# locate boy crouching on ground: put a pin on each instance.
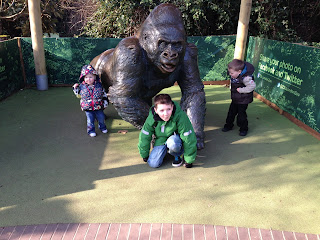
(172, 131)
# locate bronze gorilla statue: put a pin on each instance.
(139, 67)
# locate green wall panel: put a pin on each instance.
(286, 74)
(64, 57)
(214, 54)
(11, 78)
(289, 76)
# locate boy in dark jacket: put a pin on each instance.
(93, 98)
(172, 131)
(242, 85)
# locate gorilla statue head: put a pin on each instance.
(163, 37)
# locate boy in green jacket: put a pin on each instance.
(172, 131)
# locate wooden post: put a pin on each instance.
(37, 44)
(22, 63)
(242, 31)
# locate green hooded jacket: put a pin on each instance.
(178, 123)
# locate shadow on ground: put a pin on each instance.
(52, 172)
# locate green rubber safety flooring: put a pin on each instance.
(52, 172)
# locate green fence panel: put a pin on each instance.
(11, 78)
(64, 57)
(289, 76)
(214, 54)
(286, 74)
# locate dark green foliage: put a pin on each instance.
(15, 20)
(11, 13)
(201, 17)
(305, 19)
(271, 19)
(292, 21)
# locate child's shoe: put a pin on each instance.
(92, 134)
(226, 129)
(243, 133)
(177, 162)
(104, 131)
(187, 165)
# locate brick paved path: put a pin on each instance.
(136, 231)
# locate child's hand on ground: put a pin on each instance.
(75, 85)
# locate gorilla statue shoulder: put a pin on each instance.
(139, 67)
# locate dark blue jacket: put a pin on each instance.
(245, 81)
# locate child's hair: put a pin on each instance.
(162, 99)
(236, 64)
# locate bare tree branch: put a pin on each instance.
(14, 15)
(3, 5)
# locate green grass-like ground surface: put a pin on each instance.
(52, 172)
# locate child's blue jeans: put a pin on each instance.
(173, 146)
(91, 116)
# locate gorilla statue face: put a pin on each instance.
(163, 37)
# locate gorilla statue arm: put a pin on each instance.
(193, 100)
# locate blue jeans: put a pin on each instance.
(173, 146)
(91, 116)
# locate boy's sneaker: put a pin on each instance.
(92, 134)
(104, 131)
(177, 162)
(226, 129)
(188, 165)
(243, 133)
